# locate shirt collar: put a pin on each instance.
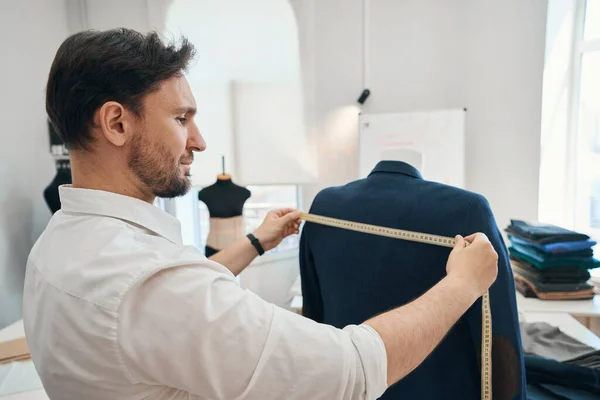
(396, 167)
(107, 204)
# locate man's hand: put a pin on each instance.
(278, 225)
(475, 264)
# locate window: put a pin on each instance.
(586, 111)
(264, 199)
(570, 151)
(587, 163)
(592, 17)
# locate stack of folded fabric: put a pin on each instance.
(550, 262)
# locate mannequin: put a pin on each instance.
(225, 202)
(332, 267)
(60, 154)
(62, 177)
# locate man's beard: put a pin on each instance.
(155, 168)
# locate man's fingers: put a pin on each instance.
(470, 238)
(291, 215)
(479, 237)
(290, 231)
(285, 211)
(459, 243)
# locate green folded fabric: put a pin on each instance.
(591, 263)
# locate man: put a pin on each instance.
(116, 307)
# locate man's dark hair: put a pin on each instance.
(92, 67)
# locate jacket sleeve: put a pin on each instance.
(507, 357)
(312, 303)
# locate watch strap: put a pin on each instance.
(256, 243)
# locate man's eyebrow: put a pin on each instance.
(186, 110)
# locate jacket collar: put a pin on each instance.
(396, 167)
(107, 204)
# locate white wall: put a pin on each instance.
(485, 55)
(505, 50)
(141, 15)
(31, 32)
(238, 40)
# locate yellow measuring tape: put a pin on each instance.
(486, 313)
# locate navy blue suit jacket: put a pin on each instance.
(348, 277)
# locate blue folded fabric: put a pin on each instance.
(540, 370)
(556, 248)
(534, 259)
(562, 260)
(544, 257)
(543, 233)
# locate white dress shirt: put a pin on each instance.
(116, 307)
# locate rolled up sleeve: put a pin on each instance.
(196, 330)
(317, 361)
(373, 358)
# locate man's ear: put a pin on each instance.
(115, 122)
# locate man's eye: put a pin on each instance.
(181, 120)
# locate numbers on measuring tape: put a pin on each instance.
(486, 348)
(486, 314)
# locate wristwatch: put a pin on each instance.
(256, 244)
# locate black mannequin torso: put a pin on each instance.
(224, 199)
(225, 202)
(62, 177)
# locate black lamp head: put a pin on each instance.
(363, 96)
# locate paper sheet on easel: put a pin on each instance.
(436, 140)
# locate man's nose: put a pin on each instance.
(195, 141)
